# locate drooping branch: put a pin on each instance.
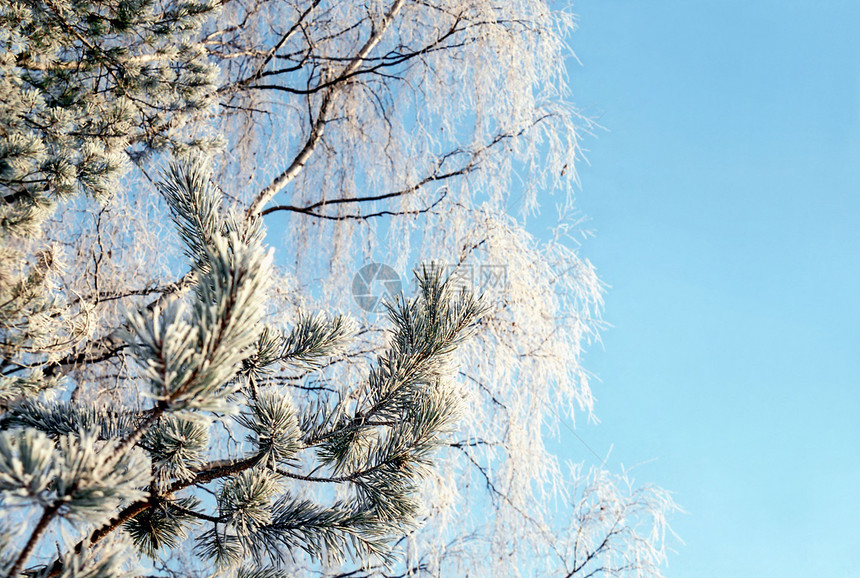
(270, 54)
(357, 216)
(112, 344)
(474, 157)
(318, 125)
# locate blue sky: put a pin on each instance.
(724, 199)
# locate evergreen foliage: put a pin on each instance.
(83, 81)
(200, 361)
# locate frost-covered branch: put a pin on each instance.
(332, 88)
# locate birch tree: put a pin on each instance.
(391, 131)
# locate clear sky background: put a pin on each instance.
(724, 199)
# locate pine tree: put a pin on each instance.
(146, 470)
(86, 86)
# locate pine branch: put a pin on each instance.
(47, 515)
(207, 473)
